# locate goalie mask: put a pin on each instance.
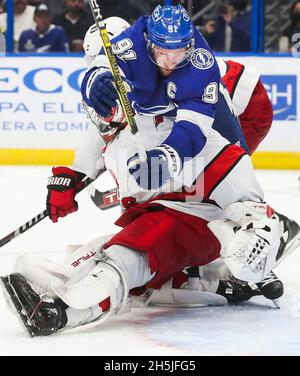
(110, 126)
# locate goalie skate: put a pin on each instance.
(15, 304)
(38, 317)
(236, 291)
(271, 288)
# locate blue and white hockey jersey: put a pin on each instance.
(190, 93)
(54, 40)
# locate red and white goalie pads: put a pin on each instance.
(254, 239)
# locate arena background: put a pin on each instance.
(42, 123)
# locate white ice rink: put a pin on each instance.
(254, 328)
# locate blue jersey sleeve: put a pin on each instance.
(187, 139)
(22, 40)
(227, 123)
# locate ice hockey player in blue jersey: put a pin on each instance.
(172, 71)
(45, 37)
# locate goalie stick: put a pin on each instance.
(35, 220)
(115, 71)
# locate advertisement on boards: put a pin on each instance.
(281, 77)
(40, 102)
(282, 91)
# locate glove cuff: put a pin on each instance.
(63, 179)
(173, 159)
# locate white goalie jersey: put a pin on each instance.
(216, 167)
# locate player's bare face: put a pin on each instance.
(167, 60)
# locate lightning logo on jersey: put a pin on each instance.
(202, 59)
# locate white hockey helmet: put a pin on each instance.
(92, 40)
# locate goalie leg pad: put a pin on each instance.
(82, 261)
(40, 272)
(43, 273)
(261, 239)
(104, 291)
(251, 253)
(105, 280)
(185, 298)
(71, 248)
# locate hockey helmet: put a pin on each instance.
(170, 28)
(92, 41)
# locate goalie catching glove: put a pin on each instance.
(62, 187)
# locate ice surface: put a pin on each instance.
(254, 328)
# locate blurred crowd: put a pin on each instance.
(230, 29)
(60, 25)
(291, 35)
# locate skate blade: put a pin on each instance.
(16, 306)
(277, 303)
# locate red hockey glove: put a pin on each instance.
(62, 187)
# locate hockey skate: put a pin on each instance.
(271, 288)
(236, 291)
(39, 318)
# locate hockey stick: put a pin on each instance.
(104, 200)
(121, 90)
(38, 218)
